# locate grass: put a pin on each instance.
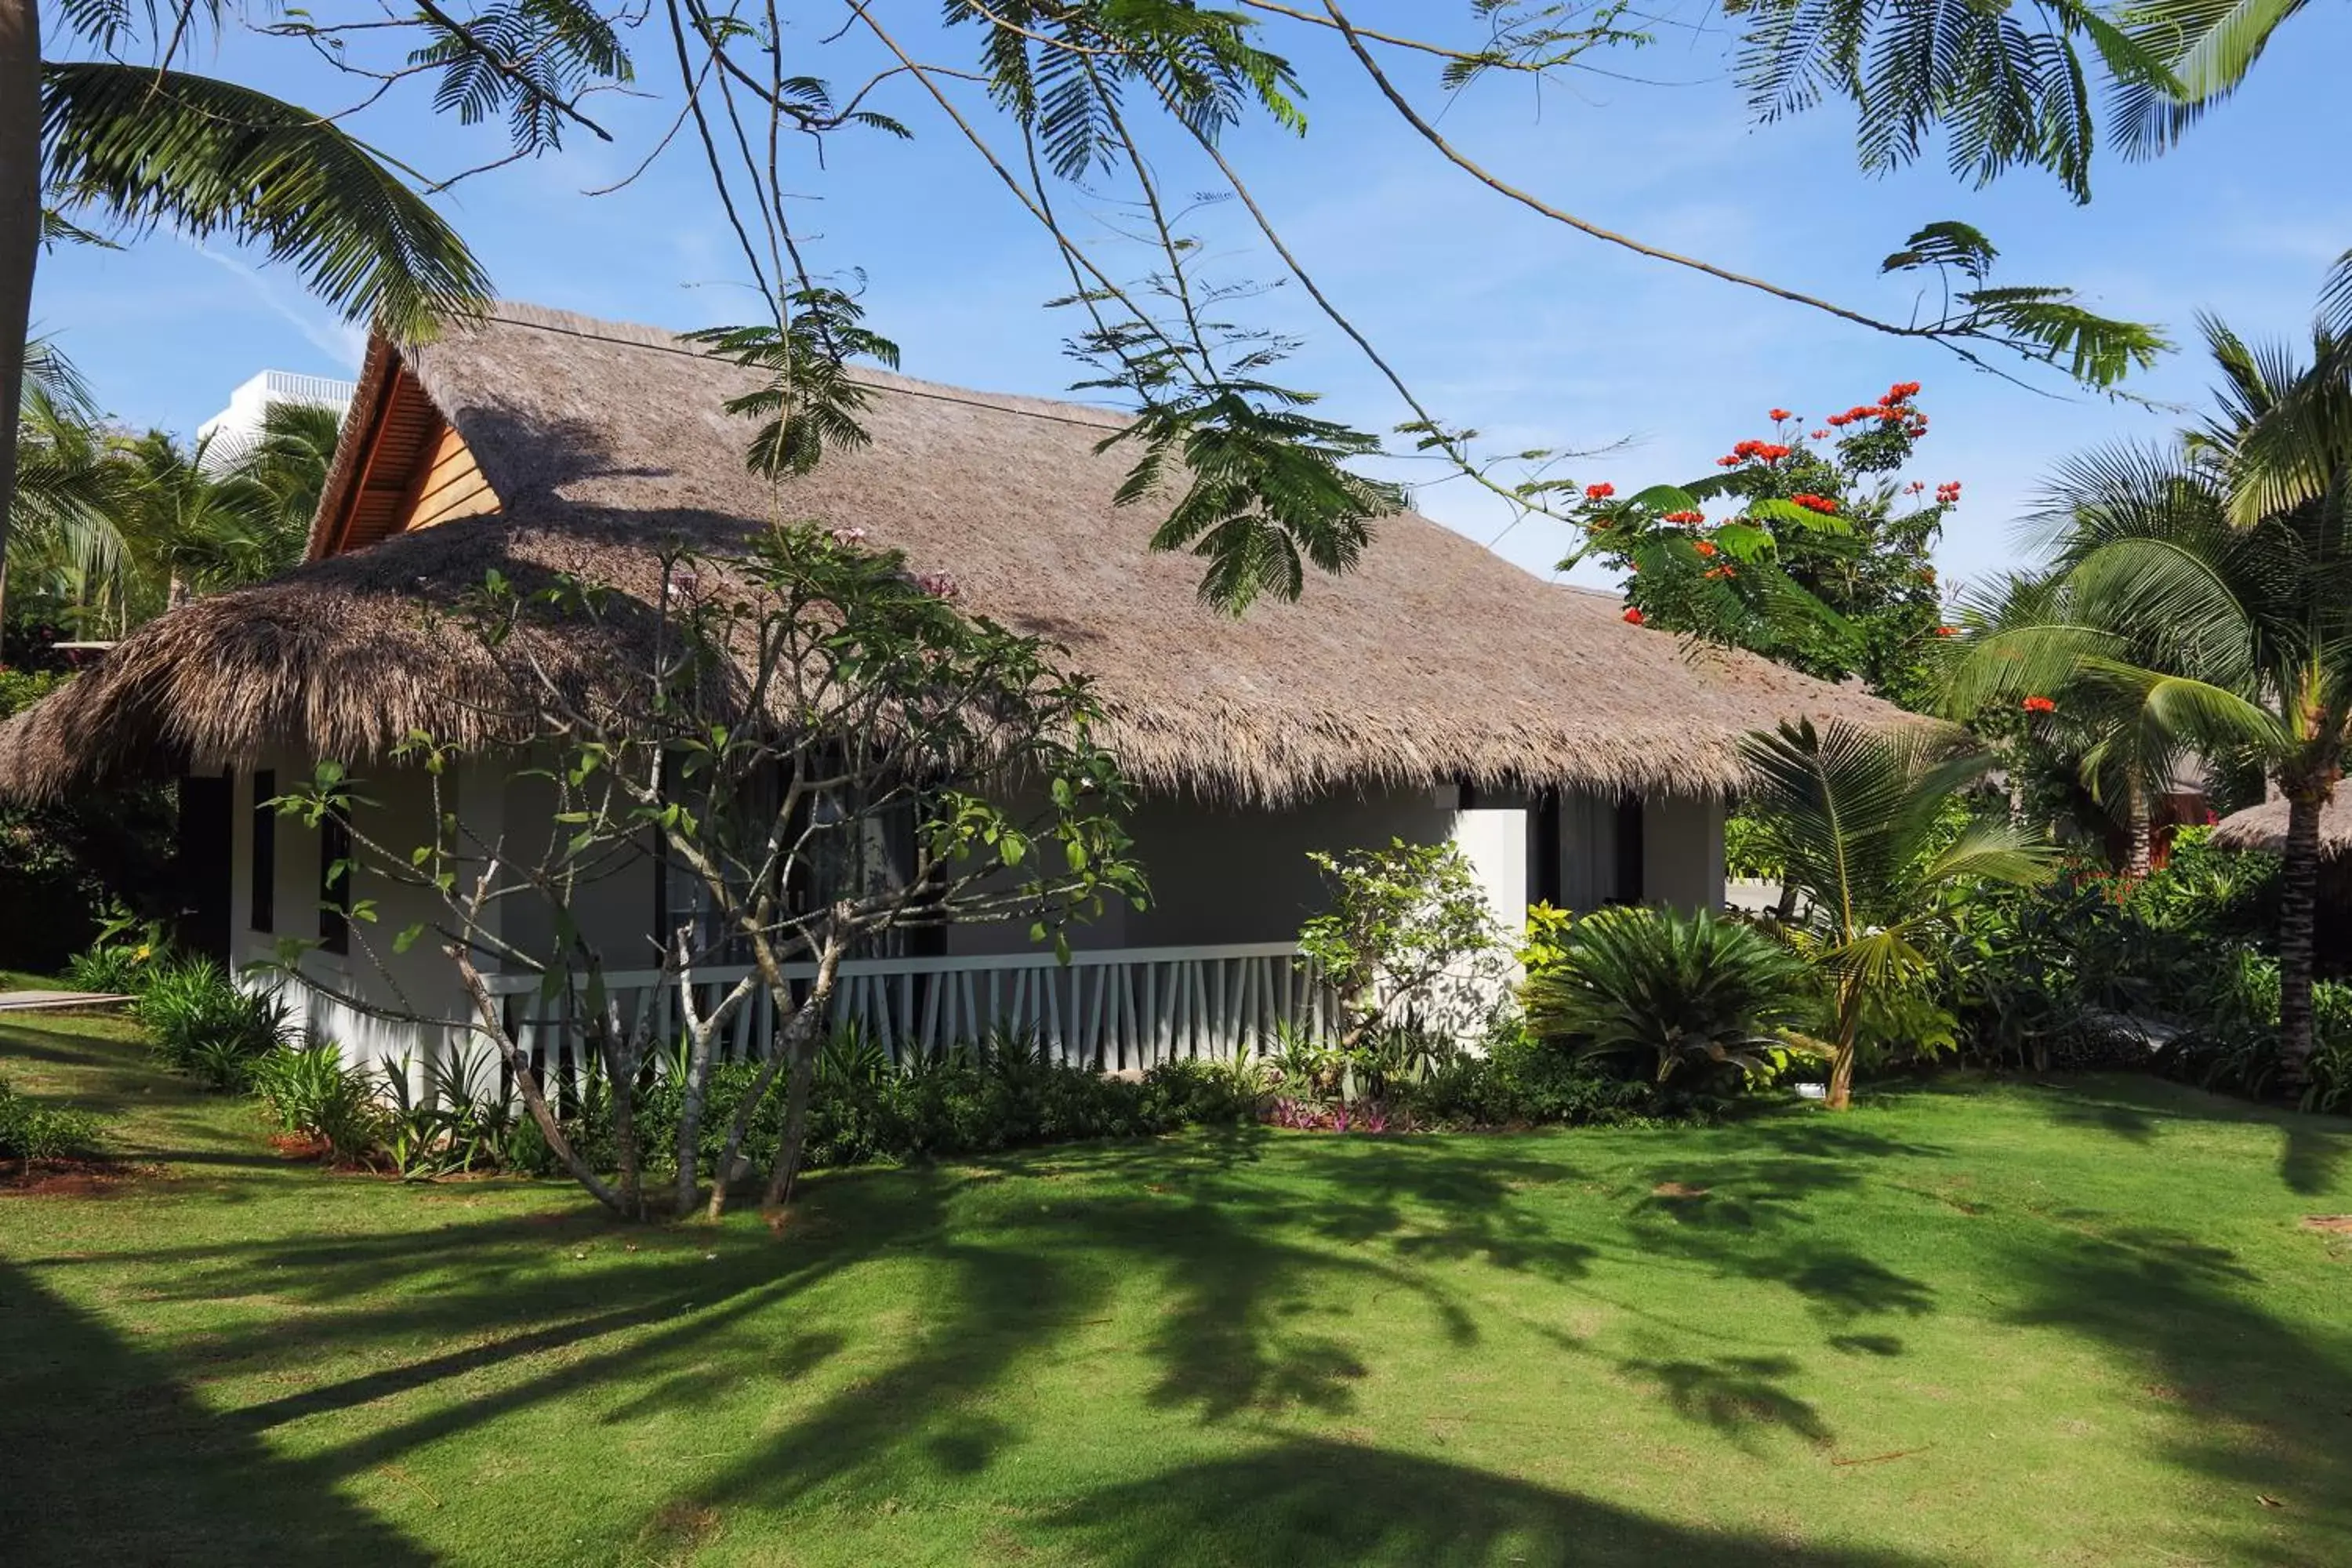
(1976, 1324)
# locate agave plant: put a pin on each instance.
(1674, 991)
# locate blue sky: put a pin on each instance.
(1533, 334)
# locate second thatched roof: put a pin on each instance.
(1433, 661)
(2263, 826)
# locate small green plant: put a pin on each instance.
(29, 1131)
(201, 1023)
(311, 1093)
(126, 954)
(1686, 996)
(460, 1122)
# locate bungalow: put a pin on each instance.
(1435, 693)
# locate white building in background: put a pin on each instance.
(227, 432)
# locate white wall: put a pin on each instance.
(394, 807)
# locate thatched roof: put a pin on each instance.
(2263, 826)
(1435, 660)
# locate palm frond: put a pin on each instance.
(146, 147)
(2206, 47)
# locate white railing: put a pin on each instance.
(1117, 1009)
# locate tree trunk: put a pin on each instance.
(2140, 833)
(796, 1107)
(20, 233)
(798, 1035)
(2299, 881)
(1841, 1091)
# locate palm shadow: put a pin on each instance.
(1309, 1501)
(115, 1461)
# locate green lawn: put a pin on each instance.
(1979, 1324)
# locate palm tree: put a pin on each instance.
(1858, 817)
(71, 488)
(2208, 590)
(147, 144)
(287, 462)
(2118, 757)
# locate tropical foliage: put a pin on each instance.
(1409, 931)
(1686, 997)
(1806, 547)
(1860, 824)
(111, 527)
(2203, 593)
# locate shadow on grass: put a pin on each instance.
(2267, 1406)
(1250, 1269)
(1307, 1501)
(110, 1459)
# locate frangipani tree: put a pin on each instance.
(1858, 817)
(815, 751)
(2208, 589)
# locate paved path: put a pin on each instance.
(36, 1001)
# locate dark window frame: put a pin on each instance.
(261, 860)
(335, 892)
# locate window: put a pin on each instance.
(335, 880)
(264, 865)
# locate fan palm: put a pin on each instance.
(1857, 817)
(2208, 588)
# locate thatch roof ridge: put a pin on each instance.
(1434, 660)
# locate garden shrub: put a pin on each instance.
(63, 864)
(124, 956)
(2034, 971)
(1519, 1080)
(1004, 1092)
(201, 1023)
(1688, 998)
(29, 1131)
(1409, 938)
(312, 1094)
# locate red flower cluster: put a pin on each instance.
(1948, 493)
(1891, 410)
(1914, 487)
(1778, 414)
(1821, 435)
(1812, 502)
(1942, 631)
(1634, 616)
(1762, 451)
(1599, 492)
(2040, 705)
(1705, 548)
(1718, 572)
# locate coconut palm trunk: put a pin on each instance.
(2299, 882)
(2140, 833)
(20, 232)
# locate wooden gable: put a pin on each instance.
(415, 471)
